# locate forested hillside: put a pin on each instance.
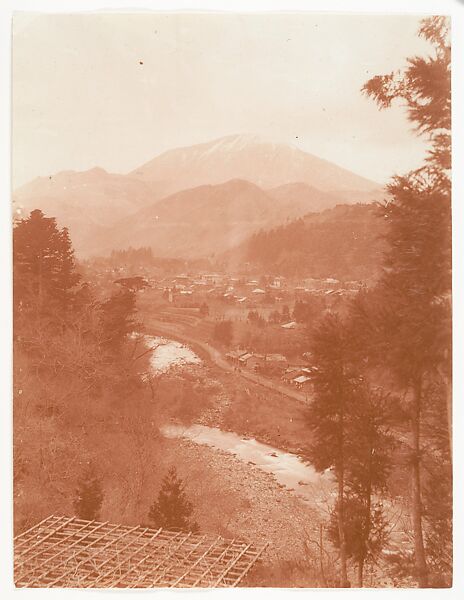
(76, 381)
(344, 242)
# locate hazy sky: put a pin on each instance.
(81, 98)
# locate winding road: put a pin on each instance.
(206, 350)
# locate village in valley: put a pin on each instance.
(258, 321)
(232, 351)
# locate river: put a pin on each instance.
(288, 469)
(168, 354)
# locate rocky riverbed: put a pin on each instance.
(249, 503)
(236, 498)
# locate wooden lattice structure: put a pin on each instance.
(71, 552)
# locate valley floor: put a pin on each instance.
(234, 498)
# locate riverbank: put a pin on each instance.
(238, 500)
(237, 404)
(204, 348)
(240, 489)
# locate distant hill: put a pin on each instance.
(301, 198)
(278, 183)
(344, 242)
(203, 221)
(249, 157)
(85, 202)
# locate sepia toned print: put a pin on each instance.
(232, 300)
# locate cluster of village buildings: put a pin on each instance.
(298, 375)
(251, 292)
(191, 289)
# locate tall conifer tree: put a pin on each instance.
(417, 271)
(44, 273)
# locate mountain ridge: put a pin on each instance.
(199, 221)
(94, 202)
(268, 164)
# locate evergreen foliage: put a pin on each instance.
(425, 85)
(73, 397)
(256, 319)
(349, 421)
(89, 496)
(309, 310)
(172, 509)
(365, 534)
(118, 319)
(414, 292)
(223, 332)
(335, 387)
(343, 242)
(44, 274)
(133, 257)
(133, 284)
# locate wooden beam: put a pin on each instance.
(232, 563)
(85, 548)
(31, 530)
(139, 549)
(216, 560)
(42, 540)
(103, 555)
(196, 562)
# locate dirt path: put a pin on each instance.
(205, 349)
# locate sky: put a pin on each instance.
(115, 90)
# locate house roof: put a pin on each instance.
(291, 325)
(69, 552)
(301, 379)
(279, 357)
(235, 353)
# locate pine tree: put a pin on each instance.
(349, 421)
(365, 533)
(368, 451)
(43, 265)
(334, 391)
(223, 332)
(425, 85)
(133, 284)
(118, 319)
(417, 276)
(89, 496)
(172, 509)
